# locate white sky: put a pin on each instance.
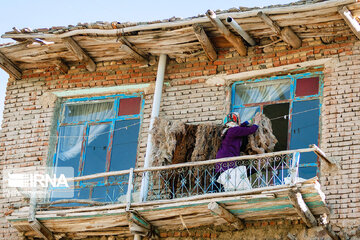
(47, 13)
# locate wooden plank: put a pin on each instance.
(205, 42)
(290, 37)
(61, 65)
(301, 208)
(137, 224)
(127, 47)
(220, 211)
(41, 230)
(323, 156)
(234, 40)
(286, 33)
(327, 227)
(350, 20)
(9, 67)
(72, 45)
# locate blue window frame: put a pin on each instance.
(99, 134)
(293, 104)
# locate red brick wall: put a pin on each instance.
(26, 126)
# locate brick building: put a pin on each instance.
(85, 96)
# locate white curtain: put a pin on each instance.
(258, 93)
(71, 137)
(76, 112)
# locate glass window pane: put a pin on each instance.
(276, 113)
(247, 113)
(80, 112)
(69, 147)
(262, 92)
(96, 149)
(129, 106)
(124, 148)
(307, 86)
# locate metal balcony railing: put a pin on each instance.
(195, 179)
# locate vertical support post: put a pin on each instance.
(130, 188)
(137, 237)
(154, 113)
(32, 208)
(294, 170)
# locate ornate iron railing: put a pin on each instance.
(195, 179)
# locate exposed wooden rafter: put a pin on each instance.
(222, 212)
(34, 224)
(234, 40)
(61, 65)
(327, 228)
(133, 51)
(205, 42)
(137, 224)
(301, 208)
(286, 33)
(10, 67)
(350, 20)
(83, 57)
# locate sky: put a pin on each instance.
(47, 13)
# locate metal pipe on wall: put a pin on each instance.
(154, 113)
(240, 31)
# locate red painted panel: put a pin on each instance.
(307, 86)
(129, 106)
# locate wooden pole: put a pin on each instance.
(323, 156)
(234, 40)
(137, 224)
(137, 237)
(34, 224)
(61, 65)
(222, 212)
(83, 57)
(301, 208)
(350, 20)
(286, 33)
(127, 47)
(9, 67)
(205, 42)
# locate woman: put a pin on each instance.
(234, 139)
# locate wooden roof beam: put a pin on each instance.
(205, 42)
(222, 212)
(350, 20)
(286, 33)
(137, 224)
(34, 224)
(134, 52)
(234, 40)
(301, 208)
(9, 67)
(83, 57)
(61, 65)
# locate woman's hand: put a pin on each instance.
(257, 119)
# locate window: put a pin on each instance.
(99, 135)
(292, 102)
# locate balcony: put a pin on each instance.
(188, 195)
